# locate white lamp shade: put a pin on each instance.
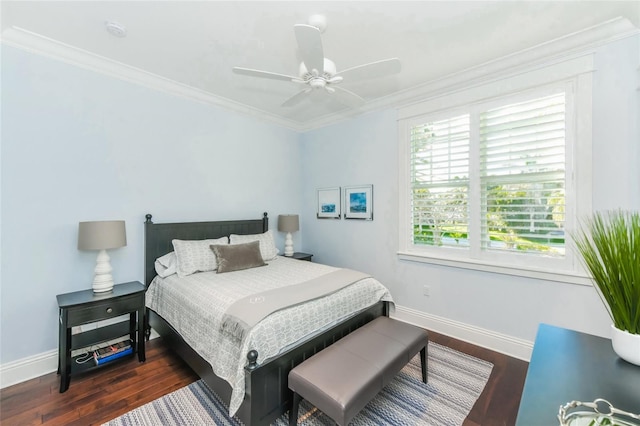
(101, 235)
(288, 223)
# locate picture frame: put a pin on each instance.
(329, 206)
(358, 202)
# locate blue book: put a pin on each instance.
(108, 358)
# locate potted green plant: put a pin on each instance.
(609, 244)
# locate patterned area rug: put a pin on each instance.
(455, 383)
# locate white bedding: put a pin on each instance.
(194, 306)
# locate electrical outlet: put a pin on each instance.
(425, 290)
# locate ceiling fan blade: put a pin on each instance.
(295, 99)
(264, 74)
(347, 97)
(310, 45)
(372, 70)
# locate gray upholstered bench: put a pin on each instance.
(341, 379)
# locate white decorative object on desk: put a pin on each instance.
(288, 223)
(102, 235)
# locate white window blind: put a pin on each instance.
(522, 164)
(440, 182)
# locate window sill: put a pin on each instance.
(519, 271)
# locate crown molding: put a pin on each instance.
(45, 46)
(555, 50)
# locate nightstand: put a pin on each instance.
(85, 307)
(301, 256)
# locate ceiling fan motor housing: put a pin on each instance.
(318, 21)
(328, 72)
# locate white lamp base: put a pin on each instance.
(288, 245)
(102, 281)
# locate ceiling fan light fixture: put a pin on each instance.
(317, 83)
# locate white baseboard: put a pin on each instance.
(38, 365)
(19, 371)
(12, 373)
(498, 342)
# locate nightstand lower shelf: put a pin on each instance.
(89, 364)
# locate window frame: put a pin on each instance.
(574, 78)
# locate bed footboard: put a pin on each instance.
(267, 395)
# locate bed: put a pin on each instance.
(265, 395)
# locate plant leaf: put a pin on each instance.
(609, 244)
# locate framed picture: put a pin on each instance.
(329, 203)
(358, 202)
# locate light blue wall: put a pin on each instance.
(364, 150)
(77, 146)
(360, 151)
(81, 146)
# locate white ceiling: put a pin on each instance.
(196, 43)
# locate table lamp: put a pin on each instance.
(288, 223)
(102, 235)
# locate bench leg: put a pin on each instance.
(423, 363)
(293, 414)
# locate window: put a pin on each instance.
(492, 184)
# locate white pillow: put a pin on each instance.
(166, 265)
(267, 245)
(196, 255)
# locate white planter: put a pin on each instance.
(626, 345)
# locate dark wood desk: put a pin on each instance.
(569, 366)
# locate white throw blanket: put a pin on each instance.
(194, 306)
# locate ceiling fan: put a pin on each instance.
(317, 72)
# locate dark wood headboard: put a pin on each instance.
(158, 236)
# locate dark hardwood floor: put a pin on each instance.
(102, 395)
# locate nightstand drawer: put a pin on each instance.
(106, 310)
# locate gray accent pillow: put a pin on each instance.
(238, 256)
